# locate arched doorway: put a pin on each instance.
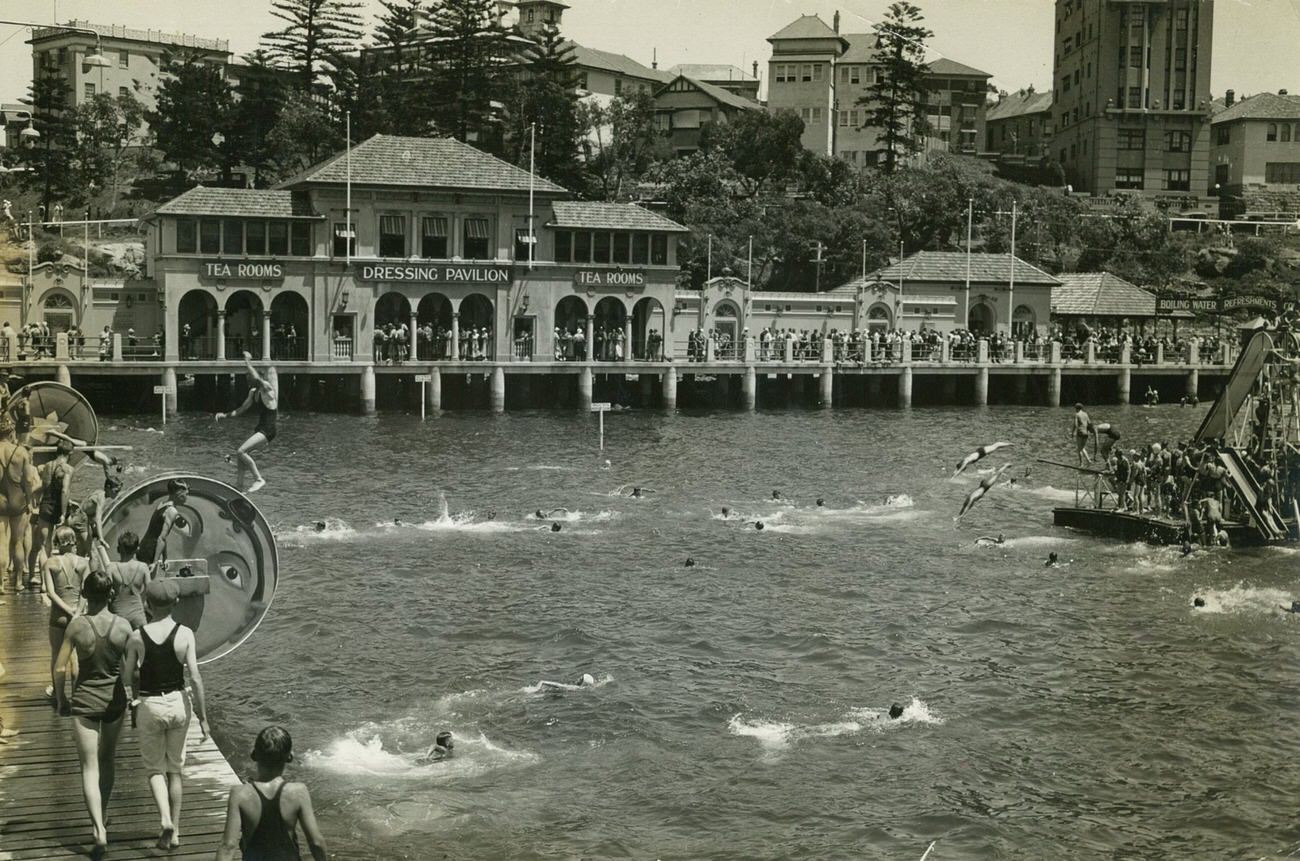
(392, 312)
(571, 328)
(434, 317)
(648, 327)
(726, 323)
(1023, 323)
(244, 325)
(477, 339)
(980, 320)
(59, 312)
(290, 327)
(196, 323)
(879, 319)
(609, 322)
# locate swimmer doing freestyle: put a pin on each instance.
(264, 396)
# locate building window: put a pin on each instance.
(817, 71)
(187, 236)
(1180, 19)
(300, 239)
(805, 114)
(255, 237)
(209, 236)
(581, 247)
(641, 248)
(1131, 139)
(1130, 177)
(816, 115)
(807, 71)
(1178, 180)
(1178, 141)
(1135, 56)
(563, 246)
(844, 119)
(618, 86)
(123, 92)
(1223, 134)
(855, 74)
(1282, 172)
(478, 239)
(232, 236)
(1222, 173)
(622, 248)
(277, 238)
(659, 250)
(392, 236)
(1135, 97)
(600, 248)
(779, 72)
(89, 91)
(1286, 132)
(582, 82)
(63, 56)
(1272, 132)
(521, 243)
(1065, 84)
(345, 240)
(123, 59)
(433, 237)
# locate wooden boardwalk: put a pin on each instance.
(42, 814)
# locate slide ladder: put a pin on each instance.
(1269, 524)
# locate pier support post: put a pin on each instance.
(982, 350)
(1090, 354)
(670, 389)
(63, 375)
(221, 340)
(627, 339)
(982, 386)
(1160, 352)
(1018, 352)
(368, 390)
(589, 348)
(169, 380)
(749, 388)
(945, 351)
(1193, 383)
(1124, 385)
(1194, 352)
(826, 385)
(433, 390)
(905, 386)
(1054, 387)
(584, 389)
(61, 346)
(499, 390)
(789, 350)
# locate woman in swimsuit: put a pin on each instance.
(56, 476)
(64, 573)
(262, 815)
(262, 395)
(19, 483)
(98, 701)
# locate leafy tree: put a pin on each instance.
(194, 113)
(764, 148)
(546, 101)
(261, 93)
(52, 118)
(316, 35)
(621, 141)
(389, 99)
(895, 103)
(107, 130)
(469, 48)
(302, 136)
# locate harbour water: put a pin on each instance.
(1084, 711)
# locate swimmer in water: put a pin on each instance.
(776, 494)
(1198, 601)
(726, 512)
(1051, 560)
(988, 540)
(320, 525)
(442, 747)
(820, 502)
(690, 562)
(542, 515)
(1294, 608)
(556, 527)
(895, 711)
(639, 492)
(758, 524)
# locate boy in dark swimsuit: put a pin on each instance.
(262, 815)
(262, 395)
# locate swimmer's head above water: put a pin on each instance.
(820, 502)
(555, 527)
(895, 711)
(587, 681)
(1051, 558)
(726, 512)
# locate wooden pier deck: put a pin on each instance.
(42, 814)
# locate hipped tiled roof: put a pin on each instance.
(1101, 294)
(239, 202)
(1264, 106)
(421, 163)
(1019, 104)
(950, 266)
(805, 27)
(619, 64)
(719, 95)
(595, 215)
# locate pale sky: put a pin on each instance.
(1254, 40)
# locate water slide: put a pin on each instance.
(1240, 381)
(1270, 525)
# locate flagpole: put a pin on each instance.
(347, 236)
(1011, 284)
(864, 260)
(708, 275)
(749, 270)
(532, 167)
(970, 215)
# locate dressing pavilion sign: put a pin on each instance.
(434, 273)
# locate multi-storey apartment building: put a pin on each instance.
(1132, 94)
(823, 76)
(1255, 151)
(1020, 124)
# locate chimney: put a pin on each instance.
(756, 70)
(1030, 91)
(1002, 94)
(837, 20)
(1229, 97)
(654, 59)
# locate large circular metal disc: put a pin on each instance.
(231, 539)
(61, 408)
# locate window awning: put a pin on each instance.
(476, 228)
(435, 226)
(392, 225)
